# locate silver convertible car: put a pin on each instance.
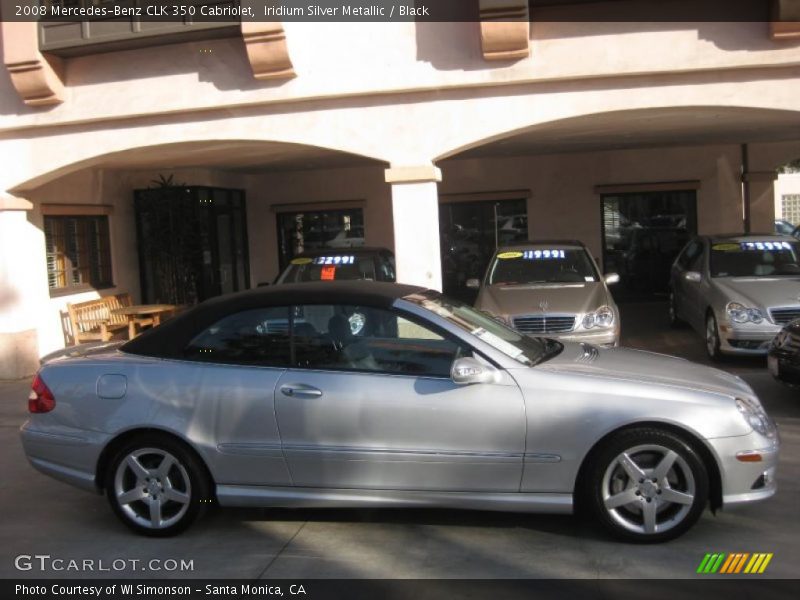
(737, 291)
(385, 395)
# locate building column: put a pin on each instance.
(19, 348)
(760, 196)
(415, 210)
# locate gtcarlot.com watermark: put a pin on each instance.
(48, 563)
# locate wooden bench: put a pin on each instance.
(92, 320)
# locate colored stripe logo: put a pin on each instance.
(734, 563)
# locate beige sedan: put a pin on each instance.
(551, 289)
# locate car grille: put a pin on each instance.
(782, 316)
(544, 323)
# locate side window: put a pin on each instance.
(257, 337)
(689, 254)
(696, 263)
(345, 337)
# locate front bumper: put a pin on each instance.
(746, 482)
(608, 338)
(747, 339)
(784, 366)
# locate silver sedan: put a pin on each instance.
(385, 395)
(737, 291)
(550, 288)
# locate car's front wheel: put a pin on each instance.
(712, 337)
(674, 319)
(156, 486)
(647, 485)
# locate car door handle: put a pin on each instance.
(300, 390)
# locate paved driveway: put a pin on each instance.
(42, 516)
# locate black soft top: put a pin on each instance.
(170, 339)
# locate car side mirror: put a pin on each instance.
(692, 276)
(473, 283)
(611, 278)
(468, 370)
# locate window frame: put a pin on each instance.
(100, 262)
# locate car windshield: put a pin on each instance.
(526, 350)
(542, 265)
(338, 267)
(755, 259)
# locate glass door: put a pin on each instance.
(192, 243)
(470, 232)
(642, 234)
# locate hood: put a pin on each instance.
(569, 298)
(760, 291)
(89, 349)
(645, 367)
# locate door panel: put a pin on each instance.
(379, 431)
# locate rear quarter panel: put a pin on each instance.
(226, 413)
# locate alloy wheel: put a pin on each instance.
(152, 488)
(648, 489)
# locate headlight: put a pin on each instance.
(756, 417)
(602, 317)
(739, 313)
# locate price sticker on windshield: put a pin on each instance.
(509, 255)
(335, 260)
(543, 254)
(771, 246)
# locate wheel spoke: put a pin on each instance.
(676, 497)
(631, 468)
(137, 468)
(131, 496)
(621, 499)
(665, 465)
(165, 466)
(649, 514)
(155, 513)
(170, 493)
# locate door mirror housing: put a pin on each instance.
(468, 370)
(473, 283)
(611, 278)
(693, 276)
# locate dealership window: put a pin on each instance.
(790, 208)
(78, 253)
(302, 231)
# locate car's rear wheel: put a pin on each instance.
(156, 486)
(647, 485)
(712, 337)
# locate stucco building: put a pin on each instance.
(436, 140)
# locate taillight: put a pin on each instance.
(41, 399)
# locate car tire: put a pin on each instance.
(674, 320)
(157, 486)
(712, 338)
(646, 485)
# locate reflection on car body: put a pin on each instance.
(737, 291)
(783, 359)
(550, 288)
(386, 395)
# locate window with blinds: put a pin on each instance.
(78, 253)
(790, 208)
